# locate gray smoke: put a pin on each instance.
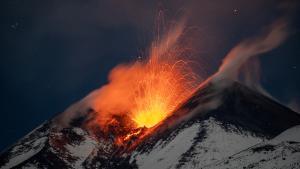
(239, 55)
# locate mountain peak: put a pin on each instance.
(218, 120)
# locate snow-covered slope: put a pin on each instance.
(244, 118)
(194, 146)
(54, 146)
(292, 134)
(282, 152)
(213, 129)
(27, 147)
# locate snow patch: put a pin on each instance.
(202, 143)
(81, 151)
(282, 152)
(79, 131)
(164, 157)
(30, 166)
(292, 134)
(37, 145)
(282, 156)
(219, 143)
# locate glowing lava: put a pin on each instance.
(149, 90)
(130, 135)
(162, 86)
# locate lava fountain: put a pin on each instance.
(148, 90)
(141, 94)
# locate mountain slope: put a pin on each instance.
(216, 122)
(242, 119)
(282, 152)
(194, 145)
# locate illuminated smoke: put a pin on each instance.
(149, 90)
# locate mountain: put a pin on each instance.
(220, 126)
(281, 152)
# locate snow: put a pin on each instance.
(17, 159)
(283, 156)
(186, 150)
(79, 131)
(205, 144)
(219, 143)
(30, 166)
(215, 144)
(282, 152)
(83, 150)
(292, 134)
(164, 157)
(31, 145)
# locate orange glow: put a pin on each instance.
(162, 87)
(130, 135)
(148, 90)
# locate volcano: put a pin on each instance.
(231, 126)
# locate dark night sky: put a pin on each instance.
(55, 52)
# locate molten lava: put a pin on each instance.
(149, 90)
(142, 94)
(162, 85)
(132, 134)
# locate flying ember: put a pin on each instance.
(162, 85)
(147, 91)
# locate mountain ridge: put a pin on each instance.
(199, 132)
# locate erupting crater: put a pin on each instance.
(148, 90)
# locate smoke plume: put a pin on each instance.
(132, 87)
(294, 104)
(239, 55)
(147, 90)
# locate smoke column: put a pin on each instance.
(239, 55)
